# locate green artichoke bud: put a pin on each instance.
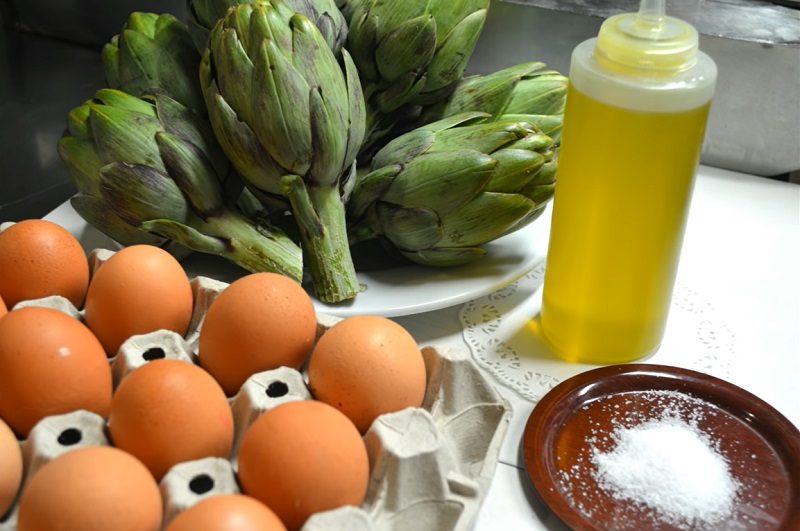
(202, 15)
(154, 53)
(411, 52)
(522, 92)
(148, 170)
(290, 119)
(440, 192)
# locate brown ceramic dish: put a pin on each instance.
(761, 446)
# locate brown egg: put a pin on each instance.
(139, 289)
(10, 467)
(50, 363)
(303, 457)
(3, 308)
(39, 258)
(169, 411)
(259, 322)
(92, 488)
(227, 512)
(366, 366)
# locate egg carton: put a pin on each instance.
(430, 466)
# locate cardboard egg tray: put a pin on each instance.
(435, 479)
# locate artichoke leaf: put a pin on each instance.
(515, 168)
(272, 21)
(82, 162)
(179, 120)
(139, 192)
(188, 236)
(188, 166)
(451, 12)
(78, 121)
(537, 142)
(362, 41)
(142, 50)
(109, 58)
(486, 137)
(408, 48)
(539, 193)
(394, 96)
(410, 229)
(101, 216)
(329, 143)
(549, 124)
(451, 58)
(281, 110)
(124, 135)
(458, 120)
(549, 96)
(369, 187)
(356, 131)
(490, 92)
(311, 56)
(234, 69)
(460, 176)
(119, 99)
(484, 218)
(240, 143)
(403, 148)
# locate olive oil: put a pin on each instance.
(618, 223)
(636, 111)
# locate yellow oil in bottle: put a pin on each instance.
(624, 183)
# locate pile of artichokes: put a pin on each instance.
(279, 133)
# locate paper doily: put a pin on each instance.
(499, 332)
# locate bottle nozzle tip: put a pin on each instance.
(652, 13)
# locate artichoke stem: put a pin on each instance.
(257, 249)
(320, 215)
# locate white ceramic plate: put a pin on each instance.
(390, 292)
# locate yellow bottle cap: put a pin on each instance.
(648, 40)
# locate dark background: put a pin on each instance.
(49, 64)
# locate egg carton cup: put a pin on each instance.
(54, 436)
(430, 466)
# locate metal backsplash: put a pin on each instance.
(754, 122)
(754, 125)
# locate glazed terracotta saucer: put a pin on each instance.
(578, 418)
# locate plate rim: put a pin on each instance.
(535, 434)
(538, 229)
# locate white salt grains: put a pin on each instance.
(669, 466)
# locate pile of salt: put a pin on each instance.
(671, 467)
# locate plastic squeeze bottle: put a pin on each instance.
(634, 122)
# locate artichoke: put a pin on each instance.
(522, 92)
(441, 191)
(411, 52)
(347, 7)
(290, 119)
(154, 53)
(150, 165)
(202, 15)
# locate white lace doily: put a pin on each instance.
(498, 330)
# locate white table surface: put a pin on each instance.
(740, 263)
(742, 250)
